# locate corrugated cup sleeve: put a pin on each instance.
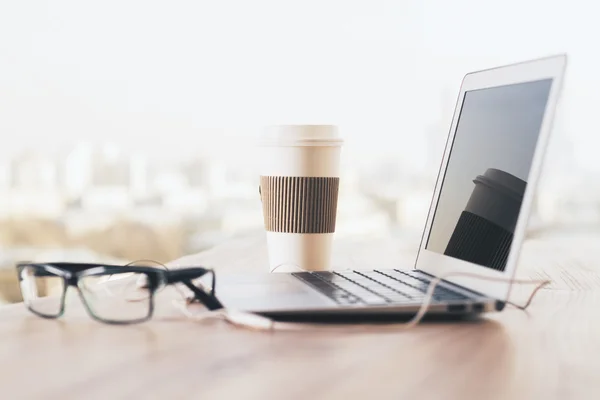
(299, 204)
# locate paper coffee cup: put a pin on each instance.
(299, 183)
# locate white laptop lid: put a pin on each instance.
(485, 188)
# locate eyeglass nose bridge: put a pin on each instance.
(71, 280)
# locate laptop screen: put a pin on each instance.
(486, 176)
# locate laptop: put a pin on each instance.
(476, 223)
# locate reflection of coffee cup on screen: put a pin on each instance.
(484, 231)
(299, 182)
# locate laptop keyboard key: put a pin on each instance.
(399, 286)
(340, 289)
(388, 289)
(375, 287)
(325, 275)
(441, 293)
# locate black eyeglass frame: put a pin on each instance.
(158, 278)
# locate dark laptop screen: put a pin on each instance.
(486, 175)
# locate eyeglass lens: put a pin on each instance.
(42, 291)
(118, 297)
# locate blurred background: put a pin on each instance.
(128, 127)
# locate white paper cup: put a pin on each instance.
(299, 190)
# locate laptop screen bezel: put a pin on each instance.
(438, 264)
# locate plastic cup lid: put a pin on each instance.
(301, 135)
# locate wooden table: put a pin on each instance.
(552, 351)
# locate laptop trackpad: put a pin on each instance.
(268, 292)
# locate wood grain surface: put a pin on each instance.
(550, 351)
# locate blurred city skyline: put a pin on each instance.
(197, 77)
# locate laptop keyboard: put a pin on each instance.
(376, 287)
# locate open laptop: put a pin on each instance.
(477, 219)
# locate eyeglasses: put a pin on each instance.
(111, 294)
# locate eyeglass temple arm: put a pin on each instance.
(210, 301)
(186, 275)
